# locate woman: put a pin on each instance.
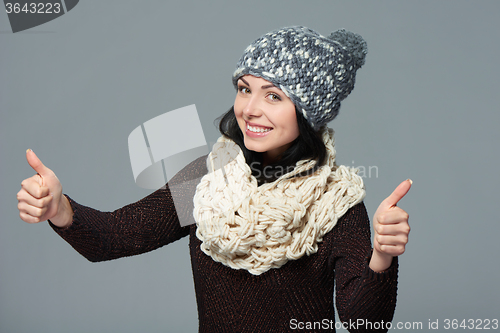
(282, 222)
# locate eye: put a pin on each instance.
(243, 90)
(274, 97)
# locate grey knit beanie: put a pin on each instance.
(314, 71)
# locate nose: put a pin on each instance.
(252, 108)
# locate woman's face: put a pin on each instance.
(266, 116)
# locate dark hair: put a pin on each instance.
(308, 145)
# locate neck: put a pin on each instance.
(273, 156)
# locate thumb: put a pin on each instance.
(36, 164)
(400, 191)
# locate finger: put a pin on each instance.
(398, 193)
(32, 201)
(28, 218)
(32, 186)
(395, 215)
(393, 229)
(393, 250)
(31, 210)
(392, 240)
(36, 164)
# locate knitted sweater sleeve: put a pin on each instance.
(363, 296)
(143, 226)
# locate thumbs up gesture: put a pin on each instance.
(391, 229)
(40, 197)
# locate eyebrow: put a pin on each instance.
(263, 87)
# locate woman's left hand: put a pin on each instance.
(391, 229)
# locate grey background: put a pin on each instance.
(425, 106)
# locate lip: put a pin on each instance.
(257, 125)
(256, 135)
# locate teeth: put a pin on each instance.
(258, 129)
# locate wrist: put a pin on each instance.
(380, 261)
(64, 216)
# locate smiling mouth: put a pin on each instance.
(258, 129)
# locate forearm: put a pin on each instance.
(373, 300)
(134, 229)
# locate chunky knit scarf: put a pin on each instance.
(246, 226)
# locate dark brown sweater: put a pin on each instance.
(296, 297)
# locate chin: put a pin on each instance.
(253, 147)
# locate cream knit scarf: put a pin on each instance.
(246, 226)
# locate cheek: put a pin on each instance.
(238, 112)
(292, 119)
(238, 106)
(296, 133)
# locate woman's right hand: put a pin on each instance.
(40, 197)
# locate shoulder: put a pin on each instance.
(351, 235)
(354, 223)
(355, 215)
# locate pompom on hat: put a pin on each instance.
(314, 71)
